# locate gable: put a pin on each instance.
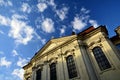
(54, 43)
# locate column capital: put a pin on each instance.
(53, 60)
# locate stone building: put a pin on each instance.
(88, 55)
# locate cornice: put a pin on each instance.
(27, 65)
(57, 47)
(43, 48)
(93, 32)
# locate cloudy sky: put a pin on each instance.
(26, 25)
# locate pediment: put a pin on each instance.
(54, 43)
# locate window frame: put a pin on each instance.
(118, 46)
(100, 57)
(53, 71)
(40, 74)
(71, 66)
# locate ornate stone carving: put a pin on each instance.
(91, 44)
(69, 52)
(33, 68)
(45, 62)
(76, 47)
(94, 44)
(53, 60)
(40, 65)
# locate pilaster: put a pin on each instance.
(88, 64)
(45, 71)
(60, 68)
(34, 73)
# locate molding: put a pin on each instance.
(76, 47)
(45, 62)
(69, 52)
(27, 66)
(27, 74)
(57, 47)
(38, 66)
(96, 43)
(53, 60)
(94, 32)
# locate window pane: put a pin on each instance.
(118, 46)
(38, 76)
(53, 72)
(101, 58)
(71, 67)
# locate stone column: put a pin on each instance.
(45, 71)
(112, 55)
(34, 73)
(65, 70)
(48, 71)
(89, 67)
(60, 69)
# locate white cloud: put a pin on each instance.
(4, 20)
(62, 30)
(4, 62)
(14, 53)
(1, 32)
(52, 3)
(38, 37)
(5, 3)
(84, 14)
(43, 41)
(38, 21)
(48, 25)
(84, 10)
(21, 62)
(26, 8)
(18, 72)
(17, 16)
(78, 24)
(1, 52)
(81, 19)
(42, 6)
(93, 23)
(20, 31)
(9, 3)
(62, 13)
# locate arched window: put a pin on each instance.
(71, 67)
(38, 74)
(53, 71)
(101, 58)
(28, 78)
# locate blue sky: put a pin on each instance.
(26, 25)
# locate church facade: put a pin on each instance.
(88, 55)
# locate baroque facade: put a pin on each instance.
(88, 55)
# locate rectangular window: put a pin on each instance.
(53, 71)
(71, 67)
(101, 58)
(38, 74)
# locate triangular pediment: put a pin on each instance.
(54, 43)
